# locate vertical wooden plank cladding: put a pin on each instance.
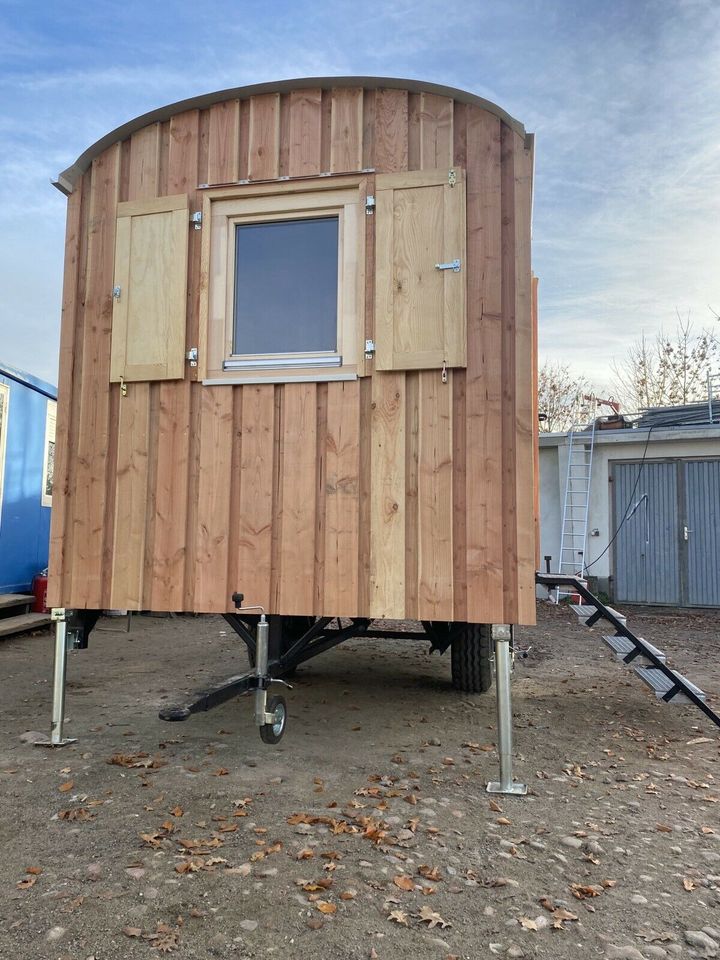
(341, 492)
(434, 450)
(509, 358)
(61, 492)
(305, 132)
(484, 398)
(459, 425)
(223, 142)
(213, 524)
(89, 491)
(254, 516)
(212, 428)
(170, 488)
(297, 514)
(387, 414)
(264, 153)
(535, 421)
(136, 430)
(524, 403)
(346, 129)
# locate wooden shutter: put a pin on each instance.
(420, 320)
(149, 299)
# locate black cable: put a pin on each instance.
(626, 514)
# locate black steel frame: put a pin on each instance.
(323, 634)
(639, 646)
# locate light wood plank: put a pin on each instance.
(484, 192)
(435, 527)
(90, 491)
(61, 490)
(341, 494)
(211, 594)
(297, 515)
(436, 131)
(223, 142)
(264, 153)
(391, 131)
(346, 129)
(524, 403)
(305, 132)
(255, 505)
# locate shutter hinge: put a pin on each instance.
(116, 291)
(123, 387)
(452, 177)
(192, 356)
(196, 219)
(369, 205)
(369, 349)
(444, 372)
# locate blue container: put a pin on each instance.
(27, 443)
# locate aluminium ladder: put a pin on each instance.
(576, 504)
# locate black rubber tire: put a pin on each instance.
(273, 733)
(471, 653)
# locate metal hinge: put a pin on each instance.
(369, 349)
(116, 291)
(453, 265)
(192, 356)
(369, 205)
(196, 219)
(452, 178)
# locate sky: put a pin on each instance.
(622, 95)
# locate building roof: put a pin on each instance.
(28, 380)
(66, 180)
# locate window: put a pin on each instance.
(285, 281)
(49, 457)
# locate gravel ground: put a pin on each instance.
(367, 832)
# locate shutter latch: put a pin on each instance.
(453, 265)
(369, 349)
(192, 356)
(369, 205)
(196, 219)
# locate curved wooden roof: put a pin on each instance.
(66, 180)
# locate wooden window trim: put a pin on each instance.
(226, 207)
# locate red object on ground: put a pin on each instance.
(39, 589)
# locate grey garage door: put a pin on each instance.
(667, 551)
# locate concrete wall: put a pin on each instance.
(615, 445)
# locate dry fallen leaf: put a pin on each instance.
(503, 821)
(348, 895)
(581, 891)
(688, 883)
(177, 811)
(404, 882)
(34, 871)
(79, 814)
(305, 854)
(430, 873)
(324, 907)
(495, 806)
(132, 931)
(67, 786)
(398, 916)
(433, 919)
(528, 924)
(26, 883)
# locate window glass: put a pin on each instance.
(286, 280)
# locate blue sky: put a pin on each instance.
(623, 96)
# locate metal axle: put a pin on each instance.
(503, 665)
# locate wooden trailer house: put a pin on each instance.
(297, 359)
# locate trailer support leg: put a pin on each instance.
(59, 673)
(503, 663)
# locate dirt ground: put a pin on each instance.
(367, 832)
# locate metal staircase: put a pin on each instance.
(647, 661)
(576, 503)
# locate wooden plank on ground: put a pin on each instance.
(341, 490)
(297, 515)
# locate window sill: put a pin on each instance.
(308, 376)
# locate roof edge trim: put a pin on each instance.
(65, 181)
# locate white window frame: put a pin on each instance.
(225, 209)
(50, 430)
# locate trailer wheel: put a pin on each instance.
(471, 654)
(272, 732)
